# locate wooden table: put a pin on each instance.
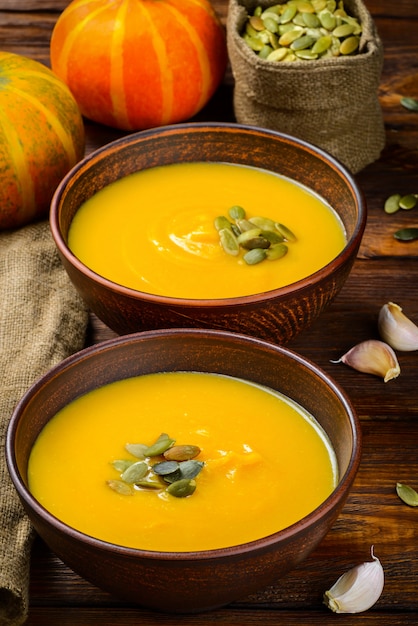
(385, 270)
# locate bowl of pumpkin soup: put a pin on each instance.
(208, 226)
(183, 469)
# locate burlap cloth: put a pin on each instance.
(331, 103)
(42, 321)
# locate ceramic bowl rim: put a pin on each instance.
(280, 292)
(266, 542)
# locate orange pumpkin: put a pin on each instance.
(135, 64)
(41, 138)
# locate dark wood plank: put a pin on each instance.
(230, 617)
(21, 6)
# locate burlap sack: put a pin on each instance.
(331, 103)
(42, 320)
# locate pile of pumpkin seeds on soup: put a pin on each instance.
(259, 238)
(302, 30)
(162, 466)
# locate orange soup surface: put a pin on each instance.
(153, 231)
(266, 462)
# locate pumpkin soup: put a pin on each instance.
(264, 462)
(154, 230)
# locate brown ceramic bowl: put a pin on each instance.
(277, 315)
(190, 581)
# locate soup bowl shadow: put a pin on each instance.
(278, 315)
(184, 582)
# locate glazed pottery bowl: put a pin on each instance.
(201, 580)
(277, 315)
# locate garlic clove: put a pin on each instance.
(358, 589)
(396, 328)
(372, 357)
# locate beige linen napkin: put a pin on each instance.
(42, 321)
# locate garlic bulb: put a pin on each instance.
(397, 329)
(358, 589)
(372, 357)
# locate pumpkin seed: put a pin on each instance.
(265, 52)
(322, 44)
(272, 236)
(290, 36)
(271, 15)
(273, 41)
(191, 468)
(327, 20)
(182, 453)
(277, 251)
(288, 14)
(160, 446)
(344, 30)
(406, 234)
(247, 235)
(305, 6)
(121, 465)
(311, 20)
(319, 5)
(303, 42)
(256, 22)
(250, 31)
(277, 55)
(120, 487)
(335, 47)
(298, 20)
(182, 488)
(271, 25)
(286, 232)
(276, 8)
(255, 256)
(264, 223)
(149, 483)
(354, 22)
(256, 242)
(172, 478)
(307, 55)
(255, 44)
(236, 212)
(407, 494)
(410, 103)
(244, 225)
(392, 203)
(228, 241)
(222, 222)
(350, 45)
(135, 472)
(136, 449)
(408, 202)
(165, 467)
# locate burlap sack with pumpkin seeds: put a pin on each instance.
(42, 321)
(331, 103)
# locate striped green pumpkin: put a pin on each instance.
(41, 138)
